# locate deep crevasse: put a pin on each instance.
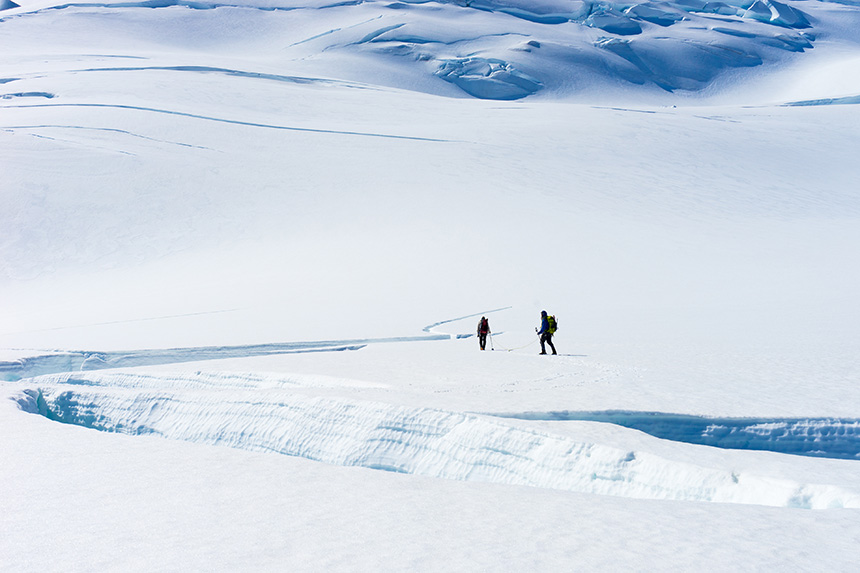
(261, 413)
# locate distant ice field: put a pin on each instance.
(500, 50)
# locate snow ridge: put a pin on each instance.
(260, 413)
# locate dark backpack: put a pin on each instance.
(553, 324)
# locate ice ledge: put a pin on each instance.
(240, 413)
(837, 438)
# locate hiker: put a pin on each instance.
(547, 329)
(483, 331)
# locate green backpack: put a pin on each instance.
(553, 324)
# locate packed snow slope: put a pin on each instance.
(244, 247)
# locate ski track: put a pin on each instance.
(227, 72)
(268, 413)
(231, 121)
(101, 129)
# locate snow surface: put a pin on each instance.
(244, 247)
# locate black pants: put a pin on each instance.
(482, 339)
(546, 337)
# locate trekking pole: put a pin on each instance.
(491, 340)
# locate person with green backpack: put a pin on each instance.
(548, 326)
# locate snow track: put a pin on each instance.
(233, 121)
(272, 414)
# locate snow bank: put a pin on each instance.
(251, 413)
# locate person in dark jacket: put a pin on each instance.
(545, 333)
(483, 331)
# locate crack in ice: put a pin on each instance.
(266, 414)
(817, 437)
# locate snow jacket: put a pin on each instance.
(483, 326)
(544, 324)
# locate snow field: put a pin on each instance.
(203, 202)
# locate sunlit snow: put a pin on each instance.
(244, 247)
